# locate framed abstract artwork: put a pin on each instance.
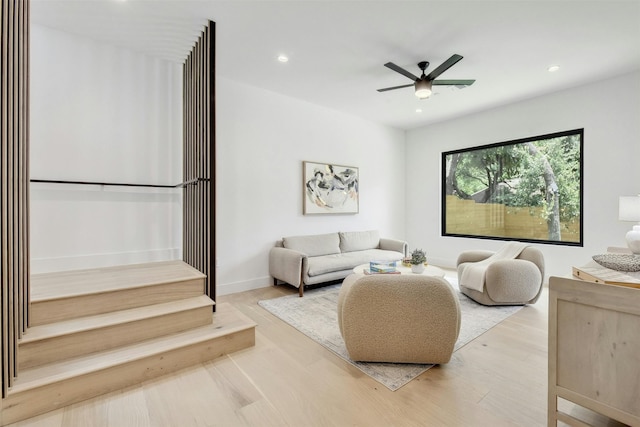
(527, 189)
(329, 188)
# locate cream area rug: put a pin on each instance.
(315, 315)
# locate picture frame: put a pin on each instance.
(329, 188)
(528, 190)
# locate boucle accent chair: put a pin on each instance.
(398, 318)
(515, 281)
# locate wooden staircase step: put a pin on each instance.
(53, 342)
(72, 294)
(48, 387)
(69, 283)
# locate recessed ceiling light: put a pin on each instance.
(418, 110)
(283, 58)
(553, 68)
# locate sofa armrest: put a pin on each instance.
(394, 245)
(473, 256)
(286, 265)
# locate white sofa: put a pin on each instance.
(313, 259)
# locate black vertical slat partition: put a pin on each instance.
(14, 177)
(198, 151)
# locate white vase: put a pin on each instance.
(633, 239)
(417, 268)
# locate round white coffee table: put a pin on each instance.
(429, 270)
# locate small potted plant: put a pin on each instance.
(417, 260)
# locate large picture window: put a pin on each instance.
(528, 189)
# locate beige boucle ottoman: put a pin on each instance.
(398, 318)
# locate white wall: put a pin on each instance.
(262, 140)
(102, 114)
(608, 112)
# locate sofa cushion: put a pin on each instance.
(359, 240)
(314, 245)
(365, 257)
(327, 264)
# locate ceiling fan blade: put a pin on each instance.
(444, 66)
(452, 82)
(395, 87)
(400, 70)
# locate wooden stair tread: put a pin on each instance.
(105, 320)
(64, 284)
(226, 320)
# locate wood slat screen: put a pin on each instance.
(199, 157)
(14, 187)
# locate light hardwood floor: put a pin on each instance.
(499, 379)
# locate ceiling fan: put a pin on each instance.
(424, 83)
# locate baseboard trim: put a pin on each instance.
(244, 285)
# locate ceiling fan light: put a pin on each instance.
(423, 89)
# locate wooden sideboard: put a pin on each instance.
(594, 350)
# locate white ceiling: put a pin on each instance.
(337, 48)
